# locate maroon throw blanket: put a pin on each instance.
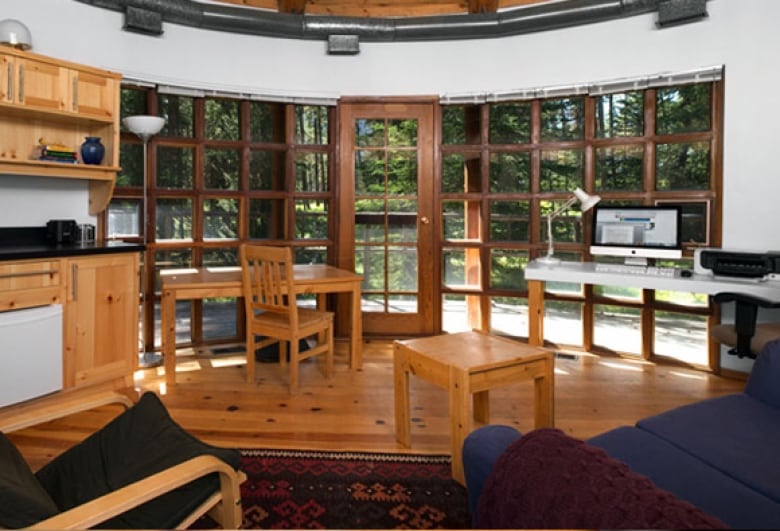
(548, 480)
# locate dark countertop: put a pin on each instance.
(43, 250)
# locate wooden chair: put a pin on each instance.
(141, 470)
(273, 314)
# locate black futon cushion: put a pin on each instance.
(23, 501)
(140, 442)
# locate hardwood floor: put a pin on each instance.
(354, 410)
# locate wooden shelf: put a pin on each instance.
(62, 103)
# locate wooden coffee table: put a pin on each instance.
(470, 363)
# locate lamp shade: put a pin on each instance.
(143, 125)
(14, 33)
(586, 200)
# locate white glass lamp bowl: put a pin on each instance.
(14, 33)
(144, 126)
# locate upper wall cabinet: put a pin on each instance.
(47, 100)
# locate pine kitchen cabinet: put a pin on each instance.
(62, 103)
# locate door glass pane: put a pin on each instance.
(402, 172)
(401, 221)
(386, 209)
(369, 172)
(402, 133)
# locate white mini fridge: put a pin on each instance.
(30, 353)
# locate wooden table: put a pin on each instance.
(201, 283)
(470, 363)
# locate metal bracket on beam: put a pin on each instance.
(343, 45)
(144, 21)
(674, 12)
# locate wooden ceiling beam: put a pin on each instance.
(295, 7)
(483, 6)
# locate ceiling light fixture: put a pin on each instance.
(14, 33)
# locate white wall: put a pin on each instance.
(741, 34)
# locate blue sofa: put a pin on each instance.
(722, 455)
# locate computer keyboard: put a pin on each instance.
(625, 269)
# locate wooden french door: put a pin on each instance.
(386, 227)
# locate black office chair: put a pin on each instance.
(745, 337)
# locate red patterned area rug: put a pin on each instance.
(292, 489)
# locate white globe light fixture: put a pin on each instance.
(14, 33)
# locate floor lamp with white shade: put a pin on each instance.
(145, 127)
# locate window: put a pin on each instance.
(222, 171)
(507, 164)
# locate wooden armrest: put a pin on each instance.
(45, 409)
(121, 500)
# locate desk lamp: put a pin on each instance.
(587, 202)
(145, 127)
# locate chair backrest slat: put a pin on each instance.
(265, 270)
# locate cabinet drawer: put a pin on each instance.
(27, 284)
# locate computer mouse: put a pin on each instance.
(686, 273)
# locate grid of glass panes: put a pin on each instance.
(223, 171)
(506, 165)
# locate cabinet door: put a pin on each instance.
(93, 95)
(42, 85)
(101, 319)
(8, 78)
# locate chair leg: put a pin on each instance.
(250, 357)
(329, 353)
(294, 365)
(283, 352)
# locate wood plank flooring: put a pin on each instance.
(354, 410)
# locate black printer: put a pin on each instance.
(733, 263)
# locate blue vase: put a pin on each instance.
(92, 150)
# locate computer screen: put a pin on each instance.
(637, 232)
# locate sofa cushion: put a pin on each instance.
(762, 382)
(689, 478)
(141, 441)
(736, 434)
(550, 480)
(23, 501)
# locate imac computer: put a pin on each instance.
(637, 232)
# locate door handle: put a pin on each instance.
(425, 220)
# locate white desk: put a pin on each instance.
(585, 273)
